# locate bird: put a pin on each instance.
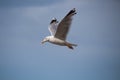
(59, 30)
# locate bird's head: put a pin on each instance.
(46, 39)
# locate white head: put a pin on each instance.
(46, 39)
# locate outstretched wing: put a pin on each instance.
(64, 25)
(53, 26)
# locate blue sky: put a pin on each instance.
(95, 28)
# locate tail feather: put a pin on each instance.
(74, 45)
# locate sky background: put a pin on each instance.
(95, 29)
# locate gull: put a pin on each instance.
(60, 30)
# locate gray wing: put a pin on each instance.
(64, 25)
(53, 26)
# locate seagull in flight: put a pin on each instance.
(60, 30)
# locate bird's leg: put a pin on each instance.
(69, 45)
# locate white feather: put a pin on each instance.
(52, 28)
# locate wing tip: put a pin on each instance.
(53, 20)
(73, 11)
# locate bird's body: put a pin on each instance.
(56, 41)
(59, 31)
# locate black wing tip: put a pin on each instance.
(53, 20)
(73, 11)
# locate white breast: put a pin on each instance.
(56, 41)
